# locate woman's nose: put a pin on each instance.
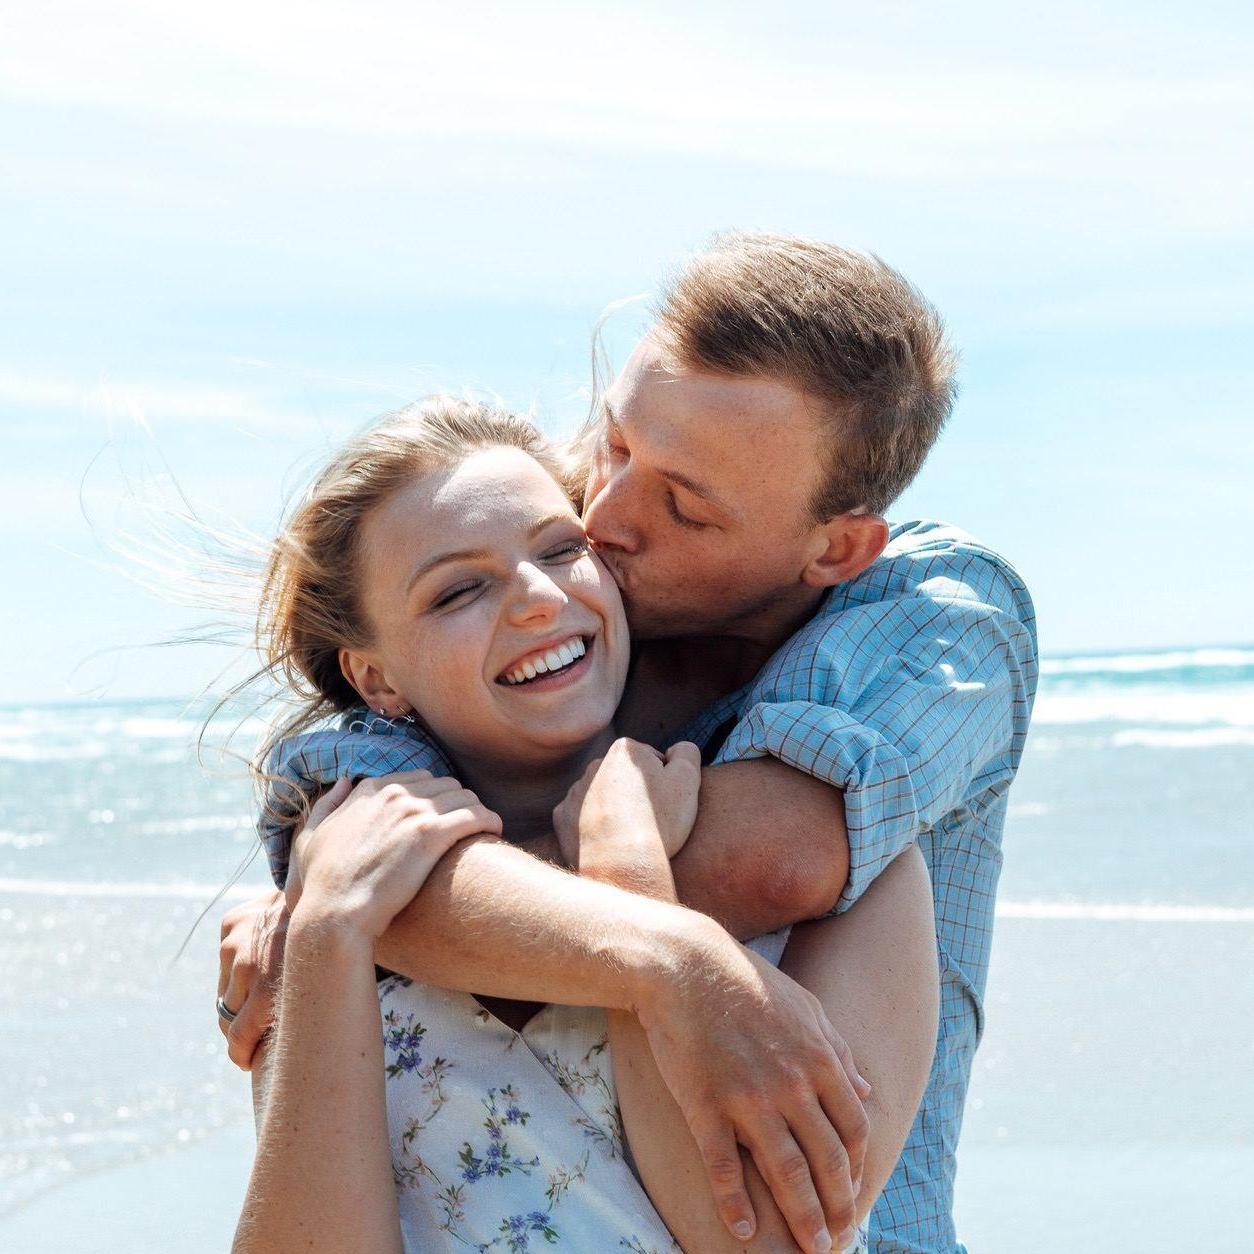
(536, 597)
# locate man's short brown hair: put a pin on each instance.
(838, 325)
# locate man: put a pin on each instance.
(857, 690)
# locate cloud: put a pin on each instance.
(945, 103)
(142, 401)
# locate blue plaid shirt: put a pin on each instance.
(910, 689)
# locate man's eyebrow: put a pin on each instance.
(707, 494)
(471, 555)
(695, 486)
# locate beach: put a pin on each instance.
(1112, 1103)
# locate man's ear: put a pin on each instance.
(845, 546)
(371, 684)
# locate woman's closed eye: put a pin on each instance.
(456, 593)
(568, 551)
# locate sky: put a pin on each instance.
(230, 234)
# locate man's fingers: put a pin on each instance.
(830, 1166)
(725, 1172)
(845, 1111)
(787, 1174)
(845, 1054)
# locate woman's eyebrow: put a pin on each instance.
(458, 555)
(471, 555)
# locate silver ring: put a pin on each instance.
(226, 1015)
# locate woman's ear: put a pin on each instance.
(845, 546)
(371, 684)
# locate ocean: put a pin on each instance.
(1129, 874)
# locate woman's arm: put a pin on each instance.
(874, 971)
(662, 1148)
(322, 1179)
(659, 793)
(745, 1051)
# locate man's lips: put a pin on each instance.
(611, 563)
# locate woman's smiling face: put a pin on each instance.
(491, 618)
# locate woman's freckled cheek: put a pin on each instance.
(442, 668)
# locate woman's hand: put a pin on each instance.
(363, 872)
(633, 799)
(254, 934)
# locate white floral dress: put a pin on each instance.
(504, 1140)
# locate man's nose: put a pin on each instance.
(536, 598)
(610, 515)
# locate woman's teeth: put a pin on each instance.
(546, 663)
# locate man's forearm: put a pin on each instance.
(492, 919)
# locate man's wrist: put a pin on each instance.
(677, 945)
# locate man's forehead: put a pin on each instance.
(733, 427)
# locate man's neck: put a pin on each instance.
(673, 680)
(736, 655)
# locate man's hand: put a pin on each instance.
(752, 1060)
(251, 966)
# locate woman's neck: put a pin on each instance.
(524, 794)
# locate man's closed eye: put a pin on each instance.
(681, 518)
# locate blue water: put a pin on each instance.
(1136, 788)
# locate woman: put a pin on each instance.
(438, 570)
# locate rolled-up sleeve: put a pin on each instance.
(916, 705)
(306, 764)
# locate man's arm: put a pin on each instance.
(769, 847)
(868, 727)
(493, 919)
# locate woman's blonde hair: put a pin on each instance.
(311, 597)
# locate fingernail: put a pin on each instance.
(862, 1080)
(822, 1242)
(857, 1185)
(744, 1229)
